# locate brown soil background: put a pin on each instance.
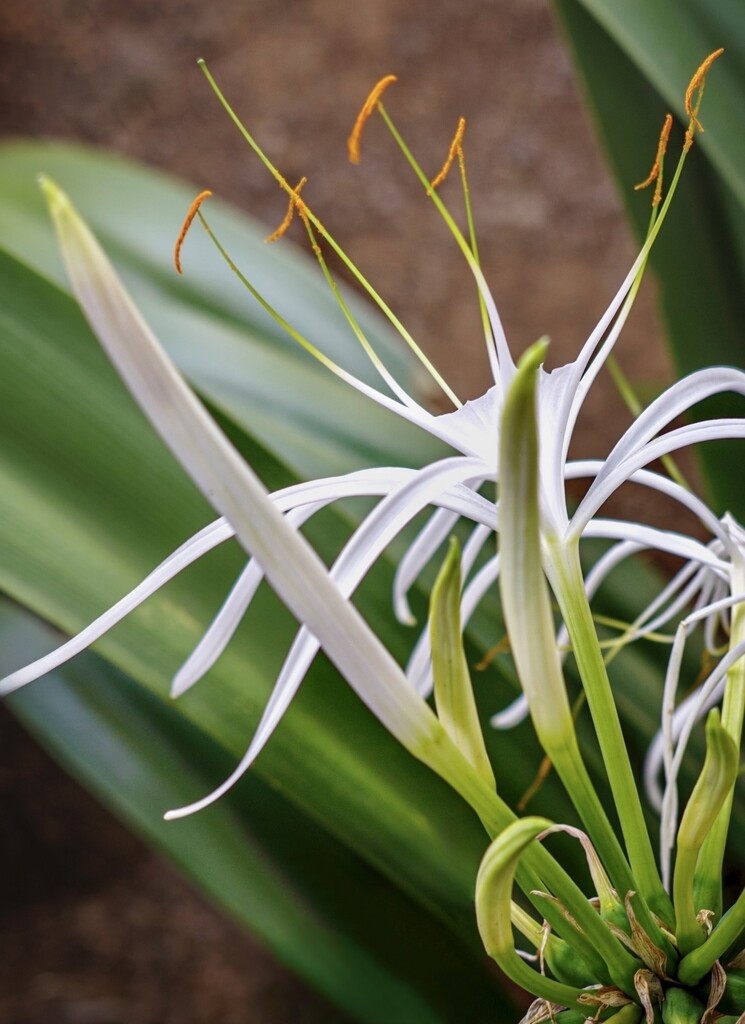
(95, 929)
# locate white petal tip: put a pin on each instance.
(402, 610)
(510, 716)
(174, 815)
(181, 683)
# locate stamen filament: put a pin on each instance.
(359, 276)
(500, 359)
(352, 320)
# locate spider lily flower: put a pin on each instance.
(451, 486)
(301, 580)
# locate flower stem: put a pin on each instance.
(565, 573)
(693, 967)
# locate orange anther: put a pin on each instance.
(295, 202)
(355, 137)
(695, 92)
(656, 173)
(456, 149)
(193, 211)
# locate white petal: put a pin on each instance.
(202, 542)
(658, 540)
(664, 410)
(227, 620)
(358, 555)
(419, 552)
(608, 481)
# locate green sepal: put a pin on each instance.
(714, 785)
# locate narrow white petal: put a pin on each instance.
(512, 715)
(658, 540)
(579, 469)
(361, 551)
(417, 555)
(610, 479)
(227, 620)
(202, 542)
(664, 410)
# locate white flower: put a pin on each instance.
(450, 487)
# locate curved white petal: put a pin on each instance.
(664, 410)
(227, 620)
(358, 555)
(659, 540)
(202, 542)
(419, 552)
(581, 468)
(610, 479)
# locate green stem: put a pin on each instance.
(565, 574)
(539, 870)
(693, 967)
(688, 930)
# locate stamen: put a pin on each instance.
(193, 211)
(694, 95)
(293, 204)
(368, 107)
(456, 149)
(656, 173)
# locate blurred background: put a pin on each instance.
(95, 928)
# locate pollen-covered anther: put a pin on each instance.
(655, 173)
(355, 136)
(191, 214)
(694, 94)
(456, 149)
(294, 203)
